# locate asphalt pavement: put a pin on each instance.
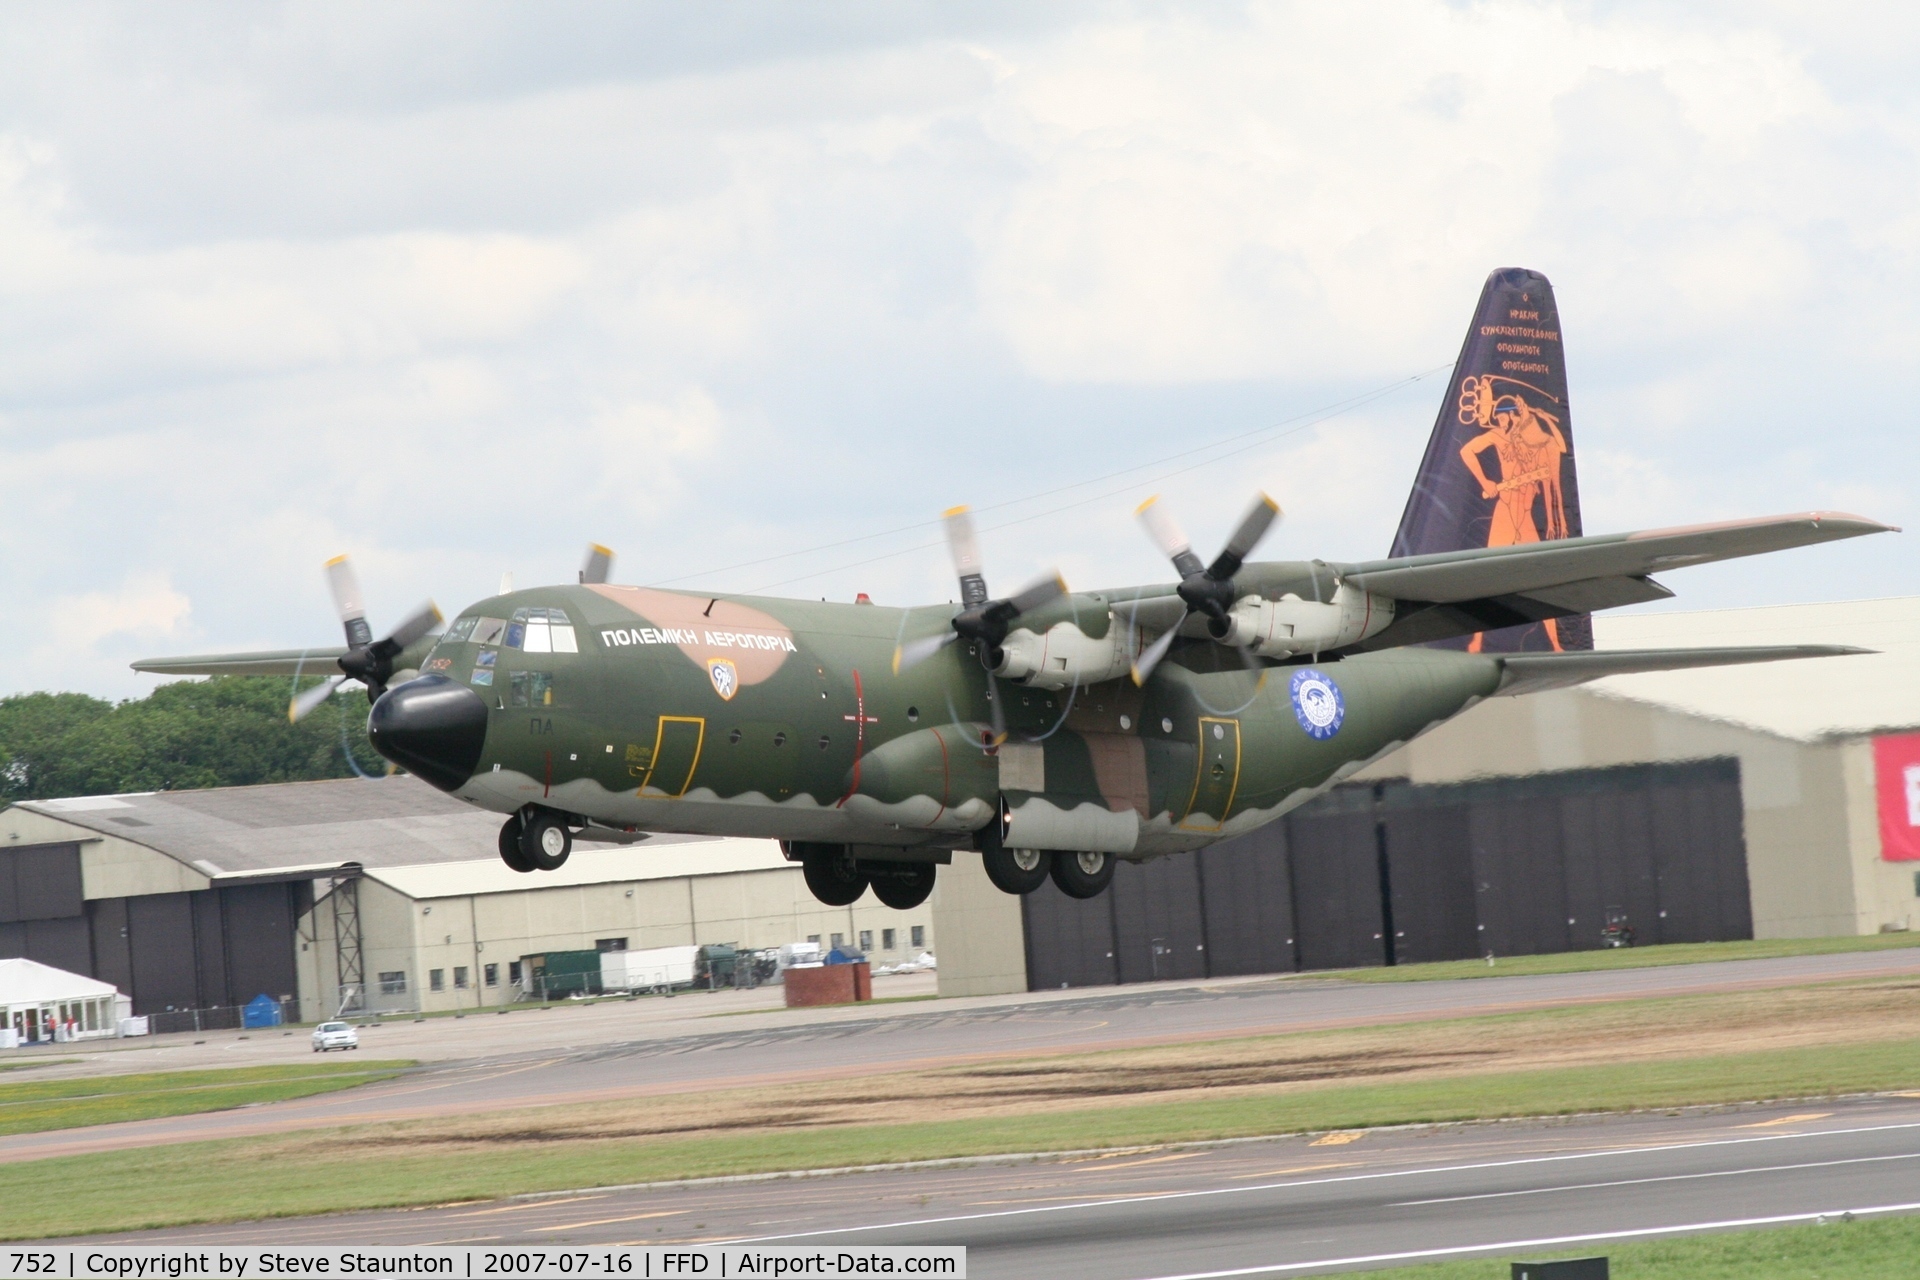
(1293, 1206)
(604, 1053)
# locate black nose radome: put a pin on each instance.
(431, 727)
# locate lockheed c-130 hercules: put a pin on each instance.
(1049, 732)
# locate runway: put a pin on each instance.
(605, 1056)
(1296, 1206)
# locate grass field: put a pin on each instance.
(1879, 1249)
(36, 1106)
(1628, 958)
(430, 1162)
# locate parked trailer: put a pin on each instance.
(658, 968)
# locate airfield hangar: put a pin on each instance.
(309, 891)
(1688, 806)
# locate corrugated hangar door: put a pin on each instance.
(1246, 899)
(1334, 852)
(1069, 941)
(1158, 931)
(1430, 866)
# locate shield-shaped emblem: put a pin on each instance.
(726, 680)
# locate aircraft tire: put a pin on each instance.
(904, 885)
(1083, 875)
(510, 846)
(545, 841)
(833, 879)
(1017, 870)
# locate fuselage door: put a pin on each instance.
(676, 754)
(1219, 776)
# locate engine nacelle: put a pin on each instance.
(1065, 655)
(1281, 628)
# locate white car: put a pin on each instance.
(334, 1035)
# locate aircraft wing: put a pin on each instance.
(1535, 672)
(264, 662)
(1532, 567)
(1459, 592)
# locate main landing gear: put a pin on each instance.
(838, 879)
(535, 839)
(1021, 871)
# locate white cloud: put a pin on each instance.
(459, 290)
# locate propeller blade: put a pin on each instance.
(418, 623)
(1166, 534)
(1253, 527)
(304, 702)
(1150, 657)
(1042, 590)
(348, 600)
(506, 583)
(965, 547)
(914, 652)
(599, 563)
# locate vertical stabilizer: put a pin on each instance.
(1499, 467)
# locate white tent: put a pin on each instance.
(39, 1002)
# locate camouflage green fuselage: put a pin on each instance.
(676, 712)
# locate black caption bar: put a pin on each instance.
(699, 1262)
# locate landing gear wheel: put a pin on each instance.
(545, 841)
(1016, 870)
(904, 885)
(1083, 875)
(834, 879)
(510, 846)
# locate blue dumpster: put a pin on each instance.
(261, 1011)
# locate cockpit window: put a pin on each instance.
(541, 631)
(461, 630)
(532, 688)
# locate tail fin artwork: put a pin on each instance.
(1499, 467)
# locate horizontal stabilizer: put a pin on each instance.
(1451, 577)
(1536, 672)
(264, 662)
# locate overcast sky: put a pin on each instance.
(458, 288)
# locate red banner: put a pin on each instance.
(1896, 767)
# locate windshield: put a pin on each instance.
(333, 1026)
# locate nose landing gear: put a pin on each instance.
(535, 840)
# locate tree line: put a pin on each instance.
(226, 731)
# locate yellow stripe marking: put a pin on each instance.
(1135, 1164)
(1768, 1124)
(601, 1222)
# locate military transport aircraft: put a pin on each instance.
(1049, 732)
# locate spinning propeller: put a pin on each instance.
(1204, 588)
(367, 660)
(982, 620)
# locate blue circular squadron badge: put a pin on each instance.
(1317, 703)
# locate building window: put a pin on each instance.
(839, 940)
(886, 939)
(609, 944)
(814, 938)
(919, 936)
(393, 984)
(866, 939)
(491, 974)
(436, 979)
(513, 972)
(460, 977)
